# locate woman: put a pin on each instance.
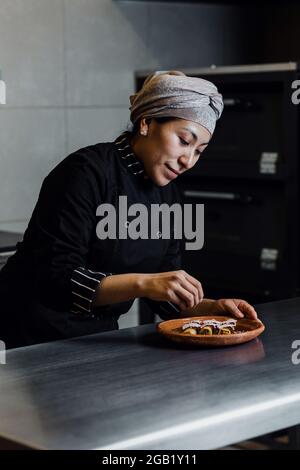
(66, 279)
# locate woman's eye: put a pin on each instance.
(183, 141)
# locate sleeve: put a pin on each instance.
(84, 283)
(63, 222)
(172, 261)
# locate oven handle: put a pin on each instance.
(220, 196)
(240, 104)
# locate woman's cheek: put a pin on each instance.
(170, 151)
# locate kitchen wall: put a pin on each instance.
(280, 38)
(68, 66)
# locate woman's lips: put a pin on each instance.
(172, 172)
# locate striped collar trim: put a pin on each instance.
(133, 165)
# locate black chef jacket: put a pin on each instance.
(47, 286)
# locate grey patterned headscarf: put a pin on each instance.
(174, 94)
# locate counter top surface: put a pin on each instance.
(8, 240)
(132, 389)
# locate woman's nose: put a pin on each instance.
(186, 160)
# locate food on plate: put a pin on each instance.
(191, 331)
(210, 327)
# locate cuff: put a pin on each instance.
(84, 283)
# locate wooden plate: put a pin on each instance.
(250, 329)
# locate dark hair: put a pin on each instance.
(161, 120)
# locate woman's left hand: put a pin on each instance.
(236, 307)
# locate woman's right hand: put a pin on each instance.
(174, 286)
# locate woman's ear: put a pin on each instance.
(144, 126)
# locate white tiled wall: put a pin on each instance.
(32, 140)
(103, 48)
(69, 69)
(31, 52)
(86, 126)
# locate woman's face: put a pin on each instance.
(169, 149)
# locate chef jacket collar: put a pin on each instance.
(130, 161)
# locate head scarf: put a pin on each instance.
(174, 94)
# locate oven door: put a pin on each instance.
(243, 247)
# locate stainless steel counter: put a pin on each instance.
(8, 240)
(130, 389)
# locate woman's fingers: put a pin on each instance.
(187, 285)
(247, 309)
(191, 284)
(197, 284)
(186, 296)
(176, 299)
(231, 307)
(178, 287)
(238, 308)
